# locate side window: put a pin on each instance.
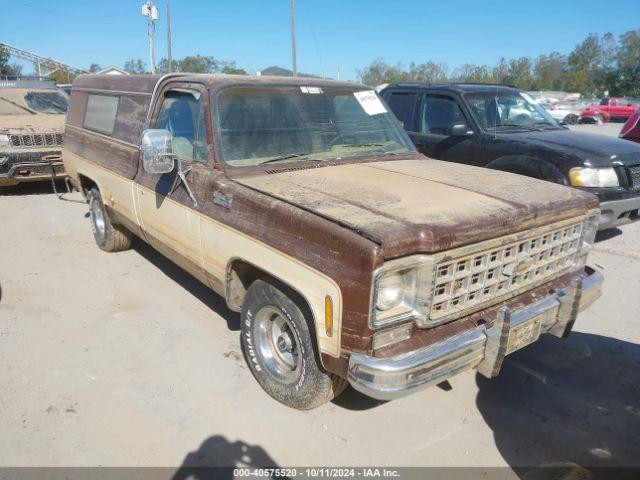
(438, 113)
(403, 106)
(183, 114)
(100, 115)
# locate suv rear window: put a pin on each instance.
(101, 113)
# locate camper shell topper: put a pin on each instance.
(350, 257)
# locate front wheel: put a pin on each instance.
(109, 236)
(279, 347)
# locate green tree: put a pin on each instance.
(473, 73)
(230, 67)
(136, 66)
(428, 72)
(549, 71)
(198, 64)
(6, 68)
(61, 75)
(94, 67)
(379, 72)
(628, 63)
(585, 63)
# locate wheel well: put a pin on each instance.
(240, 276)
(86, 184)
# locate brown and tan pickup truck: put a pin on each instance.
(31, 127)
(351, 257)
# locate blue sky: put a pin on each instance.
(332, 35)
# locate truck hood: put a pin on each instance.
(29, 123)
(423, 205)
(597, 150)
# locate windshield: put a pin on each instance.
(47, 102)
(508, 109)
(288, 123)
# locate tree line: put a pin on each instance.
(596, 65)
(190, 63)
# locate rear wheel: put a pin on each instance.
(279, 348)
(109, 236)
(570, 119)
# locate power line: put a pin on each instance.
(48, 11)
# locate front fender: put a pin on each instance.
(530, 167)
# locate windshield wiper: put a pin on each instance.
(525, 127)
(355, 145)
(288, 156)
(546, 124)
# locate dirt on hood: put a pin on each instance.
(31, 123)
(424, 205)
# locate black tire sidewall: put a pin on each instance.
(311, 381)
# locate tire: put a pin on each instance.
(570, 119)
(110, 237)
(279, 346)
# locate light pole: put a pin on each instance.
(169, 37)
(150, 11)
(293, 38)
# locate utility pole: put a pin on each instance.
(150, 11)
(169, 37)
(293, 38)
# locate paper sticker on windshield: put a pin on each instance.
(370, 102)
(311, 90)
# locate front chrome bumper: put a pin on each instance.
(618, 212)
(483, 348)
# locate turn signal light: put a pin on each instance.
(328, 315)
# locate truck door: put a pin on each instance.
(169, 214)
(436, 116)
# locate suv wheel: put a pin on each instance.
(279, 348)
(109, 236)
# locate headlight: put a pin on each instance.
(400, 290)
(593, 177)
(4, 140)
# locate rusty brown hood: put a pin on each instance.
(31, 123)
(423, 205)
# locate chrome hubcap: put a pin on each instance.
(277, 342)
(97, 220)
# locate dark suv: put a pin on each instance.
(503, 128)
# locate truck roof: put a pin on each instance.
(459, 87)
(145, 84)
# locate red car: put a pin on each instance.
(631, 129)
(610, 109)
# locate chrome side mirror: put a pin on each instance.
(157, 153)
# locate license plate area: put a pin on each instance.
(524, 334)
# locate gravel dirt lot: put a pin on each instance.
(125, 360)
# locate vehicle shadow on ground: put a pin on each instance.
(32, 188)
(566, 408)
(217, 458)
(608, 234)
(202, 292)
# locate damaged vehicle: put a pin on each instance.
(351, 257)
(31, 131)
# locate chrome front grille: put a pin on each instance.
(35, 140)
(634, 176)
(487, 276)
